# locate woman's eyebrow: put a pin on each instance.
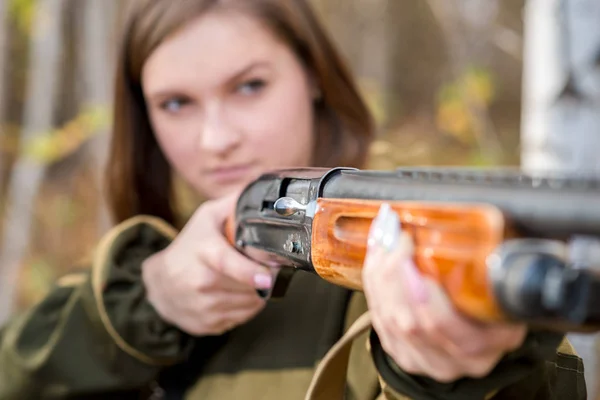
(164, 94)
(245, 70)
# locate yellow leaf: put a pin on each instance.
(479, 86)
(52, 146)
(42, 149)
(453, 118)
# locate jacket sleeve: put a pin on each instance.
(94, 332)
(545, 367)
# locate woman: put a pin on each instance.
(212, 93)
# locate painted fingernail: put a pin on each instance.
(263, 281)
(385, 229)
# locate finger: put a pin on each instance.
(461, 336)
(491, 341)
(397, 267)
(226, 260)
(209, 313)
(508, 337)
(212, 310)
(199, 280)
(393, 318)
(405, 356)
(217, 302)
(479, 367)
(442, 324)
(226, 302)
(413, 353)
(434, 361)
(373, 259)
(382, 276)
(212, 281)
(223, 207)
(396, 293)
(375, 278)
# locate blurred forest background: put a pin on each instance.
(443, 77)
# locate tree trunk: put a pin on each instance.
(4, 46)
(45, 60)
(96, 70)
(468, 26)
(561, 93)
(374, 59)
(561, 105)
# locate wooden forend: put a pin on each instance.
(452, 244)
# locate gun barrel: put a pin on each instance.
(545, 206)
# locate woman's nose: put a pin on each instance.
(218, 134)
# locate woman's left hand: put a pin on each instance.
(416, 323)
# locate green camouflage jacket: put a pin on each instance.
(95, 336)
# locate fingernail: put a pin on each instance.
(263, 281)
(385, 229)
(415, 282)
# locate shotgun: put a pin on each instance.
(504, 244)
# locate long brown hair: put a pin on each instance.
(139, 178)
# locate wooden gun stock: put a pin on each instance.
(452, 245)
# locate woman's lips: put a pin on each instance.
(230, 173)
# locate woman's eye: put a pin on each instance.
(251, 87)
(173, 105)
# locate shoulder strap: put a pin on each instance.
(329, 381)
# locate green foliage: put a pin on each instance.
(457, 100)
(22, 12)
(477, 159)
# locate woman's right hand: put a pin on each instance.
(201, 283)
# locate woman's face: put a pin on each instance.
(227, 101)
